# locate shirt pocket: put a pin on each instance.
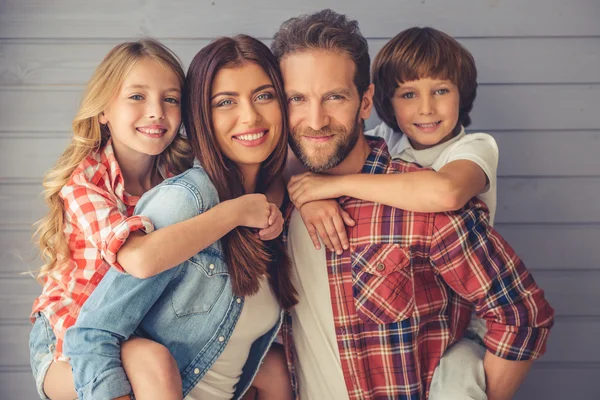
(382, 283)
(198, 285)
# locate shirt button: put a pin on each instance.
(196, 371)
(380, 267)
(211, 266)
(221, 338)
(238, 300)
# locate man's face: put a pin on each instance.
(325, 110)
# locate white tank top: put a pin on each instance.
(259, 315)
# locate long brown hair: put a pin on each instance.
(248, 258)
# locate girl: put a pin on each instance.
(219, 309)
(125, 142)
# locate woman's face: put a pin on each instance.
(245, 114)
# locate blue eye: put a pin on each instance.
(295, 99)
(442, 91)
(409, 95)
(226, 102)
(136, 97)
(172, 100)
(265, 96)
(336, 97)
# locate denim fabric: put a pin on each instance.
(190, 309)
(41, 351)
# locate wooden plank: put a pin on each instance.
(28, 156)
(498, 107)
(190, 19)
(18, 385)
(560, 383)
(551, 200)
(499, 60)
(555, 247)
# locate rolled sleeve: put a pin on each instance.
(478, 264)
(118, 236)
(108, 385)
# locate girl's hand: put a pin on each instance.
(252, 210)
(326, 219)
(275, 225)
(310, 187)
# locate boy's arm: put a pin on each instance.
(420, 191)
(477, 264)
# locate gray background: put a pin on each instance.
(539, 68)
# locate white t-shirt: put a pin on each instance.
(318, 366)
(259, 315)
(479, 148)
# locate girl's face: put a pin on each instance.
(145, 115)
(245, 114)
(426, 111)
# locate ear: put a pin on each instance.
(102, 118)
(366, 104)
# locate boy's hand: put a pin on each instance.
(310, 187)
(326, 219)
(275, 224)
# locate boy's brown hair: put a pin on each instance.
(417, 53)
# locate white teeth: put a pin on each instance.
(433, 124)
(151, 131)
(252, 136)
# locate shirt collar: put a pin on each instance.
(407, 152)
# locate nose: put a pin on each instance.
(156, 109)
(426, 105)
(249, 115)
(317, 117)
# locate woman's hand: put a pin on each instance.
(309, 186)
(275, 225)
(327, 220)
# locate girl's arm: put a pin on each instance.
(145, 255)
(421, 191)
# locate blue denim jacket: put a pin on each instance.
(190, 309)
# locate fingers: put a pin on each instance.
(347, 219)
(324, 235)
(340, 230)
(314, 236)
(275, 224)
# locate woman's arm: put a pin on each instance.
(421, 191)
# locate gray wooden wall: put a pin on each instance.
(539, 68)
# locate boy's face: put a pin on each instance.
(426, 111)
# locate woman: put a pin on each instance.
(219, 311)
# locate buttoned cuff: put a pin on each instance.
(117, 238)
(109, 385)
(516, 343)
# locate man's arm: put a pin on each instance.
(503, 377)
(476, 262)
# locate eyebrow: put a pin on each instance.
(343, 91)
(236, 94)
(146, 87)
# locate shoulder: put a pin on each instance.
(192, 185)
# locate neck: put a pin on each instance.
(137, 169)
(250, 176)
(355, 160)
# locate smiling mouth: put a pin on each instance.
(428, 126)
(152, 131)
(248, 137)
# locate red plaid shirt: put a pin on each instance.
(405, 290)
(98, 220)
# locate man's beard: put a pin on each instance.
(343, 143)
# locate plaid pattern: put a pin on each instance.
(98, 220)
(404, 292)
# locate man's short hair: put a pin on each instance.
(325, 30)
(418, 53)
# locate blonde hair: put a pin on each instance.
(89, 136)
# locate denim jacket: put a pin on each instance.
(190, 309)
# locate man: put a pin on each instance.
(374, 321)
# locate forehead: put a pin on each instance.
(318, 71)
(239, 78)
(148, 72)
